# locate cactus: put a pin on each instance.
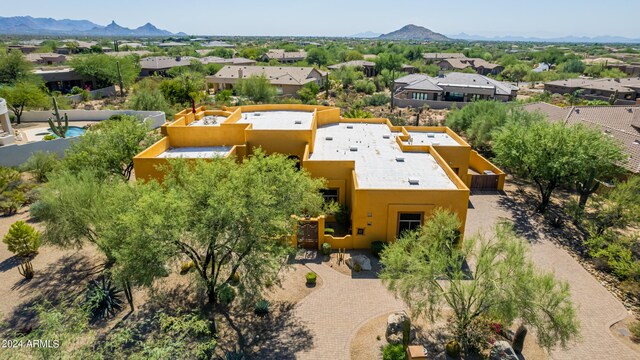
(26, 269)
(58, 128)
(406, 333)
(120, 83)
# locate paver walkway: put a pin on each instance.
(598, 309)
(336, 311)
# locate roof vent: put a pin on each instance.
(414, 181)
(353, 148)
(298, 122)
(386, 136)
(435, 144)
(329, 138)
(431, 135)
(256, 114)
(399, 159)
(349, 126)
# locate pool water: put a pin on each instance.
(73, 131)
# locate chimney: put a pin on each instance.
(240, 73)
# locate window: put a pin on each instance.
(408, 222)
(330, 195)
(279, 91)
(419, 96)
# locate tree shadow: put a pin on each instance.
(521, 205)
(10, 263)
(62, 281)
(279, 335)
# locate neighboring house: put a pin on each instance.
(158, 65)
(620, 122)
(480, 66)
(285, 57)
(286, 79)
(25, 49)
(449, 89)
(63, 79)
(632, 70)
(436, 57)
(542, 67)
(368, 67)
(81, 46)
(216, 43)
(46, 58)
(127, 53)
(169, 44)
(624, 91)
(391, 178)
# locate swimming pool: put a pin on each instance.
(73, 131)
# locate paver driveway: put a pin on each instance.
(336, 311)
(598, 309)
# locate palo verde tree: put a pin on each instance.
(257, 88)
(107, 70)
(109, 147)
(14, 67)
(426, 268)
(23, 95)
(541, 151)
(229, 219)
(598, 158)
(186, 88)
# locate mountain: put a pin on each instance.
(365, 35)
(27, 25)
(414, 32)
(564, 39)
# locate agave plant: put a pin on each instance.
(262, 307)
(103, 299)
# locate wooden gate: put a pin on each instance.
(308, 235)
(484, 182)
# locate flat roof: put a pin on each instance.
(432, 138)
(209, 120)
(207, 152)
(278, 120)
(379, 161)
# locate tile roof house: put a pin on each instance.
(451, 89)
(625, 91)
(160, 64)
(287, 79)
(481, 66)
(284, 56)
(46, 58)
(620, 122)
(434, 57)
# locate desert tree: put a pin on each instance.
(23, 95)
(257, 88)
(427, 268)
(24, 241)
(14, 67)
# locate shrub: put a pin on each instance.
(377, 99)
(49, 137)
(234, 355)
(226, 294)
(357, 267)
(365, 86)
(235, 278)
(393, 352)
(224, 96)
(262, 307)
(343, 215)
(311, 278)
(22, 239)
(40, 164)
(326, 249)
(635, 330)
(102, 299)
(12, 191)
(377, 247)
(329, 231)
(356, 113)
(452, 348)
(186, 267)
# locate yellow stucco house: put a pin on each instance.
(390, 177)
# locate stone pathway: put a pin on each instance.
(336, 311)
(597, 308)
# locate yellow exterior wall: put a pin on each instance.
(478, 163)
(384, 205)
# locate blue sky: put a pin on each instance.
(539, 18)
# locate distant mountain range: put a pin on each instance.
(414, 32)
(365, 35)
(27, 25)
(563, 39)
